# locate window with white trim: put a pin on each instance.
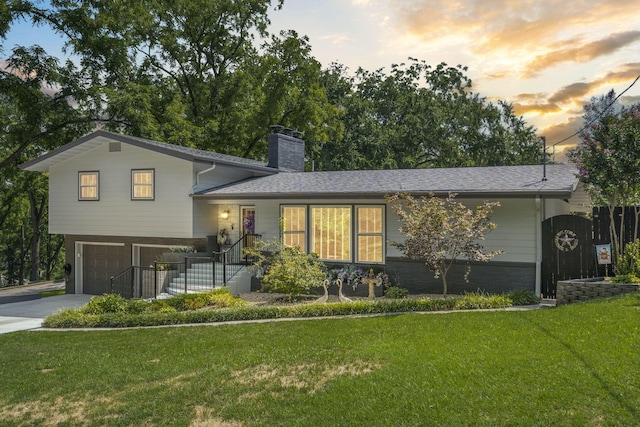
(89, 185)
(142, 184)
(294, 232)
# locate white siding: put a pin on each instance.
(219, 175)
(115, 214)
(515, 233)
(555, 207)
(205, 218)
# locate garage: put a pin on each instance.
(99, 264)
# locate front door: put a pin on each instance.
(248, 224)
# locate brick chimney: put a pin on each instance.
(286, 151)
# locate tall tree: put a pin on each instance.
(190, 71)
(608, 161)
(420, 116)
(42, 105)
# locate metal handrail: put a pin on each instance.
(130, 283)
(233, 255)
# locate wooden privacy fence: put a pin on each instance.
(601, 221)
(567, 251)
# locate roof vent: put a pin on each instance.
(114, 147)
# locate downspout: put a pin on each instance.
(539, 207)
(213, 166)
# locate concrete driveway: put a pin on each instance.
(24, 309)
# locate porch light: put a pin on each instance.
(225, 214)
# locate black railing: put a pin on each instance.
(136, 282)
(194, 274)
(235, 257)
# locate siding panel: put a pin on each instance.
(169, 215)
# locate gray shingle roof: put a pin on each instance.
(89, 141)
(507, 181)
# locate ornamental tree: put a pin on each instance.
(440, 230)
(608, 161)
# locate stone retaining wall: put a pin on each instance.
(569, 291)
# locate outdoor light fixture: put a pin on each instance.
(225, 215)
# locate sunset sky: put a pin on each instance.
(547, 57)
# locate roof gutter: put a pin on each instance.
(202, 172)
(332, 195)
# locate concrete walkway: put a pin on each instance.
(23, 309)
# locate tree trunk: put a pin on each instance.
(636, 211)
(444, 286)
(37, 211)
(23, 257)
(613, 235)
(52, 257)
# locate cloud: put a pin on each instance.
(526, 103)
(568, 97)
(559, 132)
(337, 38)
(538, 33)
(572, 50)
(629, 100)
(572, 91)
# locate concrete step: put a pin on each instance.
(198, 282)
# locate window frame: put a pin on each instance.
(80, 186)
(304, 232)
(152, 185)
(351, 225)
(357, 233)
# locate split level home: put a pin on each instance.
(122, 201)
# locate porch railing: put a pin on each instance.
(235, 256)
(194, 274)
(135, 282)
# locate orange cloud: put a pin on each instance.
(575, 94)
(539, 32)
(571, 51)
(559, 132)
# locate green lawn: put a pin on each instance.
(576, 365)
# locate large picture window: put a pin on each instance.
(88, 185)
(331, 232)
(349, 233)
(295, 226)
(142, 184)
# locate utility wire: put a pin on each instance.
(599, 115)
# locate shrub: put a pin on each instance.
(523, 297)
(218, 298)
(396, 292)
(629, 262)
(107, 303)
(480, 300)
(287, 269)
(625, 278)
(137, 306)
(164, 312)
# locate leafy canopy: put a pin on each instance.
(608, 160)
